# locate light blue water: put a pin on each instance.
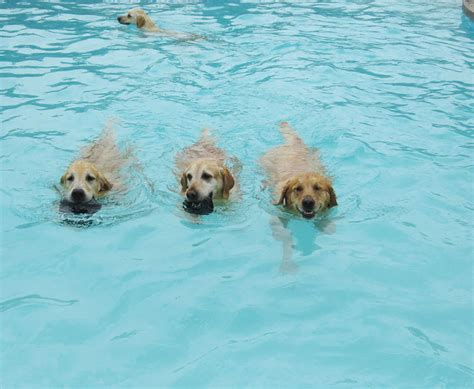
(379, 293)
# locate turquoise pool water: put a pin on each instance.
(377, 293)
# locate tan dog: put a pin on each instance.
(96, 171)
(203, 175)
(139, 17)
(297, 176)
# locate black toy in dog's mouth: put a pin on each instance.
(203, 207)
(79, 208)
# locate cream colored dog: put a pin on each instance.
(297, 176)
(139, 17)
(96, 171)
(203, 174)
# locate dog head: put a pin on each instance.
(205, 180)
(82, 182)
(136, 16)
(308, 194)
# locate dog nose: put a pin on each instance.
(78, 195)
(308, 203)
(118, 18)
(191, 195)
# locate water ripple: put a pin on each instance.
(383, 89)
(31, 300)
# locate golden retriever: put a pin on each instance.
(94, 173)
(203, 175)
(139, 17)
(297, 176)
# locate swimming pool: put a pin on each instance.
(378, 293)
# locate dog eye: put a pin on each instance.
(299, 188)
(90, 178)
(129, 15)
(317, 187)
(206, 176)
(70, 178)
(189, 176)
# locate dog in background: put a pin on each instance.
(203, 175)
(139, 17)
(297, 176)
(96, 171)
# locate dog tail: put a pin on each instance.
(107, 138)
(289, 134)
(108, 132)
(105, 143)
(206, 135)
(206, 132)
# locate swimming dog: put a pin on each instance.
(139, 17)
(204, 176)
(297, 176)
(93, 174)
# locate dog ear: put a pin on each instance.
(332, 197)
(140, 21)
(283, 200)
(63, 179)
(104, 184)
(184, 183)
(228, 182)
